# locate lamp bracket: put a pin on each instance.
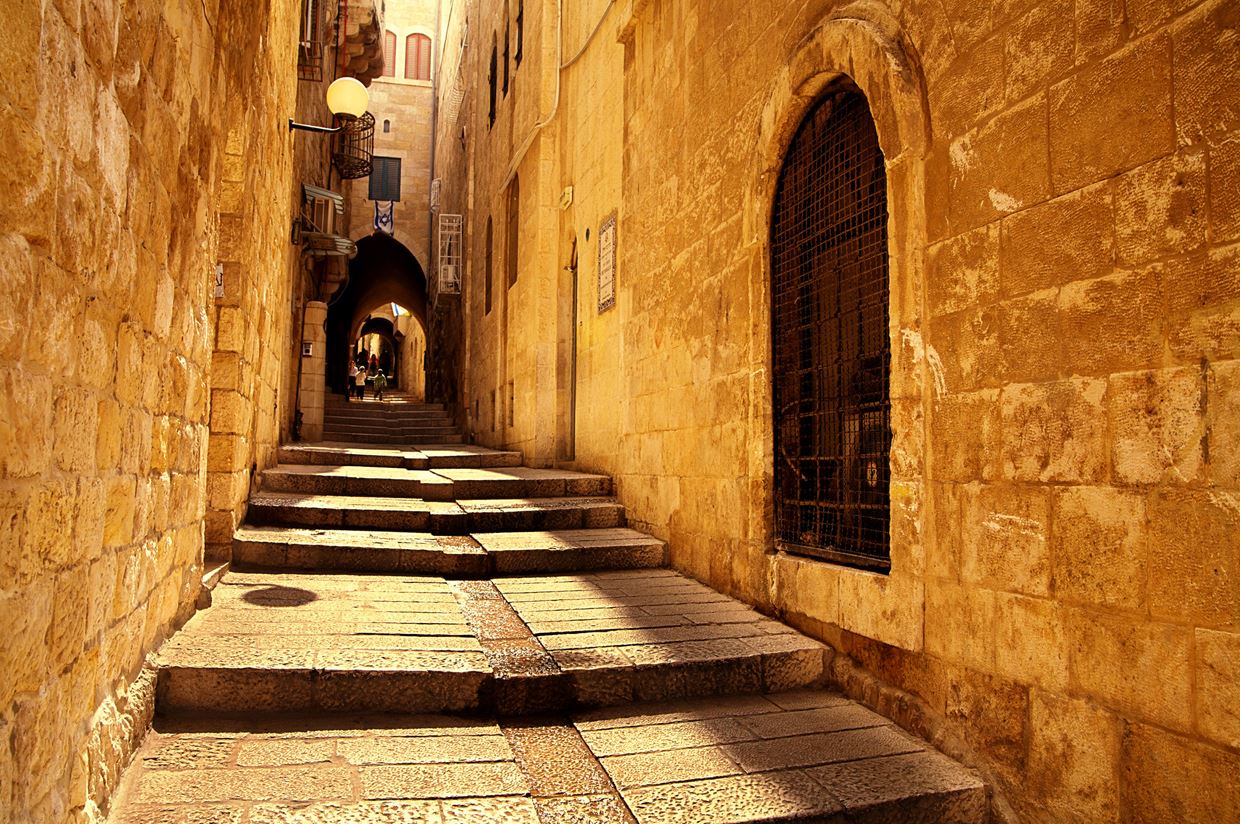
(309, 128)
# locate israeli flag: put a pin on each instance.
(383, 216)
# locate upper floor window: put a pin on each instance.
(310, 42)
(506, 53)
(417, 57)
(389, 54)
(520, 31)
(491, 80)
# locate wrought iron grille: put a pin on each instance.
(830, 341)
(310, 43)
(354, 147)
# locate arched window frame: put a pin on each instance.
(389, 53)
(507, 48)
(520, 32)
(492, 78)
(418, 57)
(831, 347)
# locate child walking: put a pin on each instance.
(380, 384)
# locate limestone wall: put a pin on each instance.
(116, 163)
(1065, 585)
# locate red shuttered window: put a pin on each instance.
(417, 57)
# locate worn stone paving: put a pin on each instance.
(434, 634)
(295, 643)
(791, 756)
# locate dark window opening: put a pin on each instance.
(831, 348)
(387, 126)
(507, 40)
(520, 31)
(491, 80)
(514, 213)
(486, 284)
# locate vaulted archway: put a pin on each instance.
(383, 272)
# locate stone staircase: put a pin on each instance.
(394, 420)
(438, 633)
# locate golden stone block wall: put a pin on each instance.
(114, 166)
(1064, 604)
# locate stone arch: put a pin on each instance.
(384, 271)
(862, 43)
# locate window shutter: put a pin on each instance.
(389, 54)
(417, 57)
(385, 178)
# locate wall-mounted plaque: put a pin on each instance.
(607, 264)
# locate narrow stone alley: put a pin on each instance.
(433, 632)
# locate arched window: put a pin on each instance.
(507, 46)
(520, 31)
(831, 350)
(514, 215)
(417, 57)
(389, 54)
(486, 285)
(387, 126)
(491, 79)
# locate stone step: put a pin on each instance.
(286, 642)
(434, 485)
(323, 643)
(366, 423)
(387, 428)
(439, 517)
(341, 453)
(458, 556)
(392, 440)
(391, 400)
(381, 415)
(809, 755)
(367, 550)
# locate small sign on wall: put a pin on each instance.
(607, 264)
(219, 280)
(307, 349)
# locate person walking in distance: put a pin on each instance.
(353, 370)
(381, 383)
(359, 383)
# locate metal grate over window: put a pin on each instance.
(830, 342)
(310, 43)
